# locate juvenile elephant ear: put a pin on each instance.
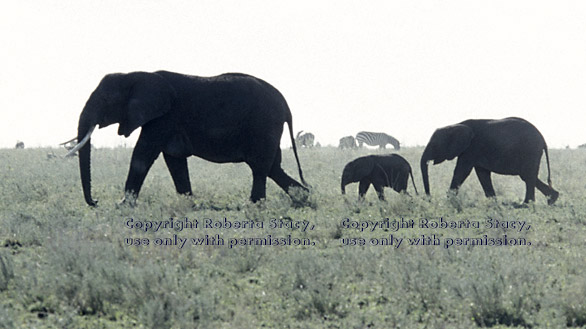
(459, 138)
(364, 167)
(150, 97)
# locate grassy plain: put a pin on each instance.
(66, 265)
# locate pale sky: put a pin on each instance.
(400, 67)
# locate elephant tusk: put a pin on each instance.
(69, 141)
(81, 143)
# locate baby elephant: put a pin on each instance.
(379, 170)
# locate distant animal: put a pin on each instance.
(19, 145)
(374, 139)
(51, 155)
(305, 140)
(390, 170)
(227, 118)
(510, 146)
(347, 142)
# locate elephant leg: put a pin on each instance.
(278, 175)
(179, 173)
(529, 192)
(461, 172)
(143, 156)
(485, 181)
(530, 183)
(363, 187)
(400, 184)
(284, 181)
(260, 170)
(259, 186)
(379, 191)
(551, 194)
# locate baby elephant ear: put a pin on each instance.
(459, 138)
(364, 167)
(150, 97)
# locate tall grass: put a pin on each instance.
(65, 265)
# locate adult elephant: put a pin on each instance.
(228, 118)
(511, 146)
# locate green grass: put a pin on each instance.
(66, 265)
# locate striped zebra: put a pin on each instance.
(374, 139)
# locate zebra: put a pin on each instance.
(305, 140)
(19, 145)
(347, 142)
(380, 139)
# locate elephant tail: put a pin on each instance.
(413, 181)
(548, 170)
(290, 124)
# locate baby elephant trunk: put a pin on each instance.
(345, 180)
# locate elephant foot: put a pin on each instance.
(299, 196)
(524, 205)
(92, 203)
(129, 199)
(553, 197)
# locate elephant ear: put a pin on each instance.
(364, 167)
(456, 139)
(150, 97)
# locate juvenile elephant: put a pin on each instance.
(510, 146)
(390, 170)
(228, 118)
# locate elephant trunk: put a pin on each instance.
(425, 158)
(84, 131)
